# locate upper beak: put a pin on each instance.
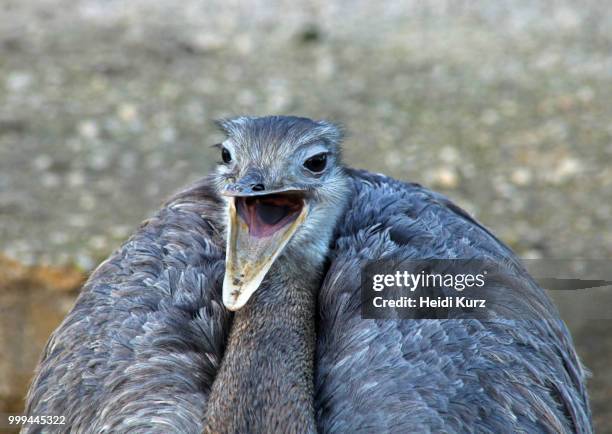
(252, 247)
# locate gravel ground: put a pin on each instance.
(105, 109)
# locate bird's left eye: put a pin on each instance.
(226, 156)
(316, 163)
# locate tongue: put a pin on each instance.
(265, 216)
(270, 214)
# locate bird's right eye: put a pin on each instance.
(226, 156)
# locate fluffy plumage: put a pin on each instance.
(436, 375)
(142, 345)
(140, 349)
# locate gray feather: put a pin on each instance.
(142, 346)
(436, 375)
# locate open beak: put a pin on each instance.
(259, 228)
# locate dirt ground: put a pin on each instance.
(106, 108)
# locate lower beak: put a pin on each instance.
(249, 257)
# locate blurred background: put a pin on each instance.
(106, 109)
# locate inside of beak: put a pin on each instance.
(259, 228)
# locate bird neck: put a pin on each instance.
(265, 382)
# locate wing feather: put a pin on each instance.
(141, 347)
(436, 375)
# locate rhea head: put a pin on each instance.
(284, 187)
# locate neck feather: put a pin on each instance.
(265, 382)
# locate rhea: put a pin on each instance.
(237, 308)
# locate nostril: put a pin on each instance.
(257, 187)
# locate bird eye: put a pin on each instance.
(317, 163)
(226, 156)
